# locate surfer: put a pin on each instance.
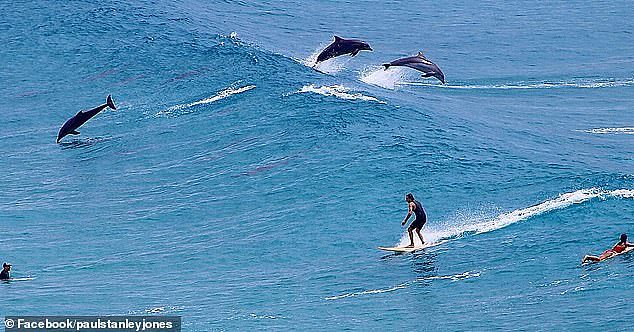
(5, 274)
(617, 249)
(416, 208)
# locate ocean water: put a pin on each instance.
(240, 189)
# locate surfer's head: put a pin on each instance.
(6, 266)
(409, 197)
(623, 238)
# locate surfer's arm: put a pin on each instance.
(406, 218)
(409, 214)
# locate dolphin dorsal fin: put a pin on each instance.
(337, 38)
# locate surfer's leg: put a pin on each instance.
(422, 241)
(411, 236)
(606, 254)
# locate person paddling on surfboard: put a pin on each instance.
(5, 274)
(416, 208)
(617, 249)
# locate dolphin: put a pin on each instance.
(420, 63)
(71, 125)
(342, 46)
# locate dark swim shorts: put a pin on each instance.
(418, 223)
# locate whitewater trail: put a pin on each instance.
(455, 277)
(338, 91)
(184, 108)
(622, 130)
(576, 83)
(467, 225)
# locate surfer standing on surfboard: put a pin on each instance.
(416, 208)
(5, 273)
(617, 249)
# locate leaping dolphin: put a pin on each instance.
(420, 63)
(71, 125)
(342, 46)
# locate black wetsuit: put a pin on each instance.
(4, 275)
(421, 217)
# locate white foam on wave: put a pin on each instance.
(157, 310)
(388, 79)
(623, 130)
(181, 108)
(583, 84)
(481, 223)
(622, 193)
(455, 277)
(338, 91)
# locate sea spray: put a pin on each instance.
(387, 79)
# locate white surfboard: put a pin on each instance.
(17, 279)
(628, 249)
(410, 249)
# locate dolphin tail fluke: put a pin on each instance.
(110, 103)
(386, 65)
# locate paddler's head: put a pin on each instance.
(6, 266)
(409, 198)
(623, 238)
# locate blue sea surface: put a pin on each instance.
(239, 188)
